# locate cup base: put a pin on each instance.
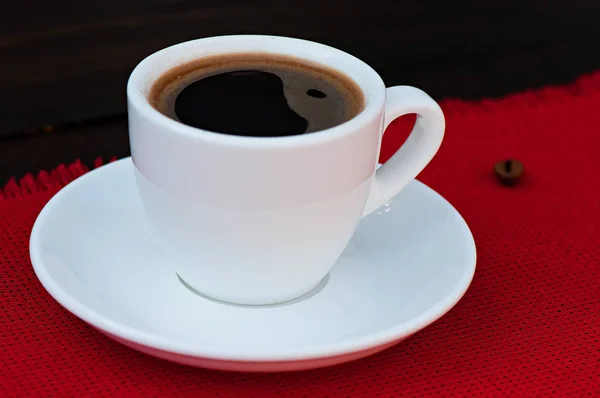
(314, 291)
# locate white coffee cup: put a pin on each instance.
(255, 221)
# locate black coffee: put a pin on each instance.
(256, 95)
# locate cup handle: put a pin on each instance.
(418, 149)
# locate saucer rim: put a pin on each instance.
(132, 334)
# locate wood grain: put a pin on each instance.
(65, 61)
(29, 153)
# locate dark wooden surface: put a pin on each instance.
(66, 62)
(63, 60)
(32, 152)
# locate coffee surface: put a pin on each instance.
(255, 94)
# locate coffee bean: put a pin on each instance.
(509, 171)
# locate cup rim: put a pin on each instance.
(156, 64)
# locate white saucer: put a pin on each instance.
(407, 265)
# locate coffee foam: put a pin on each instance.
(343, 95)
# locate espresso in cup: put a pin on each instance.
(256, 94)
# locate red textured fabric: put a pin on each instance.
(528, 326)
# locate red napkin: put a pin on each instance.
(528, 326)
